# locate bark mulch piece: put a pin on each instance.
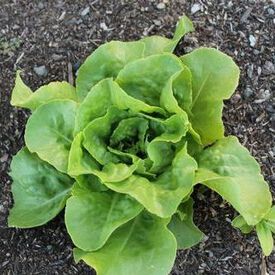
(49, 39)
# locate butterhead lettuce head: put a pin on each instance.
(123, 150)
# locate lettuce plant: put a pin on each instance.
(123, 150)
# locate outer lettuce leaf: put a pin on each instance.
(157, 44)
(39, 190)
(183, 227)
(229, 169)
(90, 183)
(215, 76)
(142, 79)
(270, 219)
(49, 132)
(142, 246)
(239, 222)
(264, 230)
(106, 61)
(163, 195)
(91, 217)
(22, 96)
(265, 237)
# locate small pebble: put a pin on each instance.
(103, 26)
(248, 92)
(4, 158)
(157, 22)
(252, 40)
(228, 220)
(250, 71)
(57, 57)
(85, 11)
(195, 8)
(263, 96)
(270, 11)
(40, 5)
(41, 70)
(62, 16)
(270, 108)
(160, 6)
(259, 71)
(210, 253)
(269, 67)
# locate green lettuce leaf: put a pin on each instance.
(105, 94)
(176, 95)
(229, 169)
(39, 190)
(270, 219)
(157, 44)
(183, 227)
(22, 96)
(88, 182)
(240, 223)
(147, 83)
(215, 77)
(174, 129)
(49, 132)
(163, 195)
(106, 61)
(91, 217)
(265, 237)
(81, 162)
(142, 246)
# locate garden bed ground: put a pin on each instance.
(60, 34)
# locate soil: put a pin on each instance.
(60, 34)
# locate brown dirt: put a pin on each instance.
(56, 35)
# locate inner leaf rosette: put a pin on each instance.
(132, 145)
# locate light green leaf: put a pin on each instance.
(183, 227)
(49, 132)
(91, 217)
(176, 95)
(142, 246)
(100, 130)
(270, 219)
(22, 96)
(229, 169)
(271, 214)
(39, 190)
(129, 135)
(147, 83)
(174, 129)
(240, 223)
(105, 94)
(20, 91)
(163, 195)
(106, 61)
(265, 237)
(81, 162)
(214, 78)
(88, 182)
(157, 44)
